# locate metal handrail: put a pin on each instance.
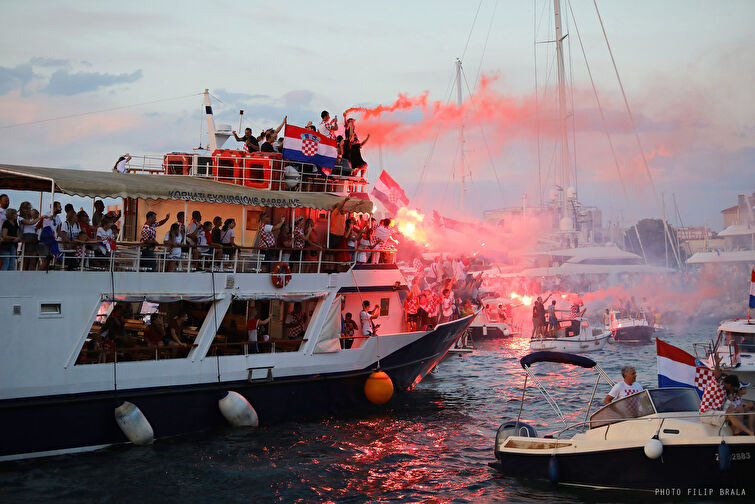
(307, 180)
(128, 257)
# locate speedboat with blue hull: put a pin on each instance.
(650, 440)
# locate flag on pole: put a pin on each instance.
(389, 193)
(752, 289)
(307, 146)
(677, 368)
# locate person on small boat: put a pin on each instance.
(605, 319)
(552, 319)
(626, 387)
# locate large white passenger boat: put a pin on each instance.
(66, 370)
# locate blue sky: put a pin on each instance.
(684, 65)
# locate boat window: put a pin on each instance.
(137, 331)
(204, 166)
(675, 399)
(385, 304)
(49, 310)
(283, 329)
(745, 341)
(633, 406)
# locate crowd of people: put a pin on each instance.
(349, 145)
(42, 237)
(440, 292)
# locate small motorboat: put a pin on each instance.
(654, 439)
(493, 324)
(572, 335)
(735, 345)
(629, 328)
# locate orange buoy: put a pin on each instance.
(378, 388)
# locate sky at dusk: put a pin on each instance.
(686, 67)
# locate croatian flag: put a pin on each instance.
(752, 289)
(677, 368)
(389, 193)
(307, 146)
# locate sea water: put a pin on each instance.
(432, 444)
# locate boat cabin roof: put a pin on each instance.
(738, 326)
(101, 184)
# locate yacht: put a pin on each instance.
(627, 327)
(572, 335)
(649, 440)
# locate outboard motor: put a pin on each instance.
(513, 428)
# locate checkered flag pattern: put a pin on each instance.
(309, 147)
(713, 398)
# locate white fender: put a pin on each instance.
(653, 448)
(506, 331)
(237, 410)
(134, 424)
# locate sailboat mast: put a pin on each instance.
(461, 134)
(562, 112)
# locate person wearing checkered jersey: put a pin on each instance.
(626, 387)
(716, 399)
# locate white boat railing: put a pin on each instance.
(130, 257)
(256, 172)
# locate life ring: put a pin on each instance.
(280, 275)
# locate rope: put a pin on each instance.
(471, 30)
(484, 139)
(637, 137)
(485, 46)
(97, 111)
(608, 137)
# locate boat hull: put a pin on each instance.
(51, 425)
(571, 345)
(682, 467)
(634, 334)
(491, 331)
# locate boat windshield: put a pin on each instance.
(669, 400)
(744, 341)
(633, 406)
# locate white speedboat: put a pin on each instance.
(655, 439)
(488, 325)
(629, 328)
(572, 335)
(735, 345)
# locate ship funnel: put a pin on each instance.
(222, 134)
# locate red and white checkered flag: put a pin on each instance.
(714, 392)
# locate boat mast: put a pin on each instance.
(562, 114)
(461, 133)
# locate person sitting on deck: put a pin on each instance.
(715, 399)
(172, 241)
(204, 242)
(148, 240)
(228, 238)
(113, 332)
(174, 337)
(154, 333)
(195, 227)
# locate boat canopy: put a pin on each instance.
(101, 184)
(563, 358)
